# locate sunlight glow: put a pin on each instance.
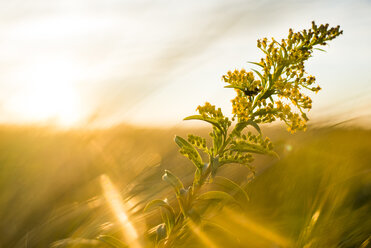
(115, 201)
(259, 229)
(201, 235)
(50, 92)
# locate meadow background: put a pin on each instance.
(51, 192)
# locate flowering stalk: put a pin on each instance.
(274, 92)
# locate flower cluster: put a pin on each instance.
(197, 141)
(192, 155)
(237, 158)
(252, 143)
(282, 75)
(209, 111)
(244, 81)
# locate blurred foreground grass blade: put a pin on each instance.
(240, 221)
(76, 242)
(168, 217)
(159, 203)
(232, 187)
(112, 241)
(217, 195)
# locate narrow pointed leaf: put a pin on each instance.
(169, 220)
(217, 195)
(231, 186)
(248, 148)
(161, 232)
(159, 203)
(253, 148)
(235, 87)
(168, 216)
(255, 125)
(256, 64)
(207, 119)
(173, 181)
(230, 86)
(259, 74)
(241, 125)
(267, 94)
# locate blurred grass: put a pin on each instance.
(317, 195)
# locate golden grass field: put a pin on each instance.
(318, 194)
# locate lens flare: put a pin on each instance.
(201, 235)
(118, 208)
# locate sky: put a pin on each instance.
(100, 63)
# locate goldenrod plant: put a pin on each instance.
(275, 90)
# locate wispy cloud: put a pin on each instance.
(128, 52)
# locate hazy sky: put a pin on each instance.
(152, 62)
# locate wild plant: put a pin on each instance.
(272, 92)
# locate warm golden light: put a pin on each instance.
(201, 235)
(258, 228)
(49, 92)
(117, 206)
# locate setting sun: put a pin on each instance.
(50, 93)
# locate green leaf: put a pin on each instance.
(274, 154)
(267, 94)
(169, 220)
(270, 78)
(253, 148)
(255, 64)
(231, 186)
(197, 177)
(217, 140)
(185, 198)
(168, 217)
(235, 87)
(217, 195)
(214, 166)
(173, 181)
(112, 241)
(207, 119)
(232, 86)
(241, 125)
(282, 48)
(161, 232)
(254, 124)
(320, 49)
(159, 203)
(182, 143)
(248, 147)
(259, 74)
